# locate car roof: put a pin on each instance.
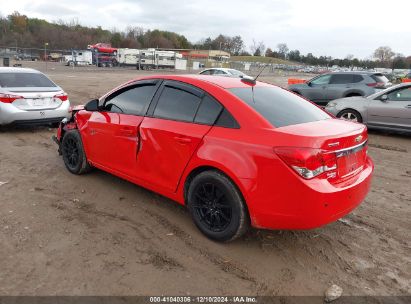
(18, 70)
(221, 81)
(355, 72)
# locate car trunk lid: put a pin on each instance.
(337, 148)
(34, 99)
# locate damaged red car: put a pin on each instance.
(236, 152)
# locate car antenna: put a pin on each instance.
(255, 79)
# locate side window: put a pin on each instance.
(206, 72)
(341, 79)
(226, 120)
(321, 80)
(401, 94)
(357, 78)
(219, 72)
(208, 111)
(177, 104)
(133, 101)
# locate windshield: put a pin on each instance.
(280, 107)
(25, 80)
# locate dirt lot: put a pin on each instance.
(96, 234)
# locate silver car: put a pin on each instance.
(389, 109)
(30, 97)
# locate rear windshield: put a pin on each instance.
(280, 107)
(25, 80)
(236, 73)
(380, 78)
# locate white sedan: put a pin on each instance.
(224, 72)
(29, 97)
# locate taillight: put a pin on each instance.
(308, 162)
(61, 96)
(9, 98)
(376, 84)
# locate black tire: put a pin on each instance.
(73, 153)
(351, 115)
(353, 95)
(217, 207)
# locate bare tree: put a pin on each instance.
(384, 54)
(282, 49)
(257, 48)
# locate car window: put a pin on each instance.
(227, 120)
(357, 78)
(208, 111)
(403, 94)
(206, 72)
(380, 78)
(219, 72)
(321, 80)
(280, 107)
(25, 80)
(236, 73)
(133, 101)
(177, 104)
(341, 79)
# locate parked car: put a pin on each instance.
(224, 72)
(326, 87)
(24, 56)
(389, 109)
(29, 97)
(407, 78)
(234, 151)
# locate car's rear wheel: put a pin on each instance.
(353, 95)
(350, 115)
(73, 153)
(217, 207)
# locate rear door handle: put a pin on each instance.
(183, 140)
(127, 132)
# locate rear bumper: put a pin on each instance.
(9, 114)
(310, 204)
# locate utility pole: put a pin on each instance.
(45, 53)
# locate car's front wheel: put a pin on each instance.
(350, 115)
(73, 153)
(217, 206)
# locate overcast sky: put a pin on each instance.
(323, 27)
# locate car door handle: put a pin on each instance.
(408, 106)
(126, 132)
(183, 140)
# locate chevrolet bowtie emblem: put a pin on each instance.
(358, 138)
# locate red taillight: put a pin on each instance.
(9, 98)
(376, 84)
(62, 96)
(308, 162)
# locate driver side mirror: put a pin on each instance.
(92, 105)
(384, 98)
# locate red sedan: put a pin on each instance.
(236, 152)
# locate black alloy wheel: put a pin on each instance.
(217, 206)
(210, 204)
(73, 153)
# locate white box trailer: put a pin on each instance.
(153, 59)
(79, 57)
(128, 57)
